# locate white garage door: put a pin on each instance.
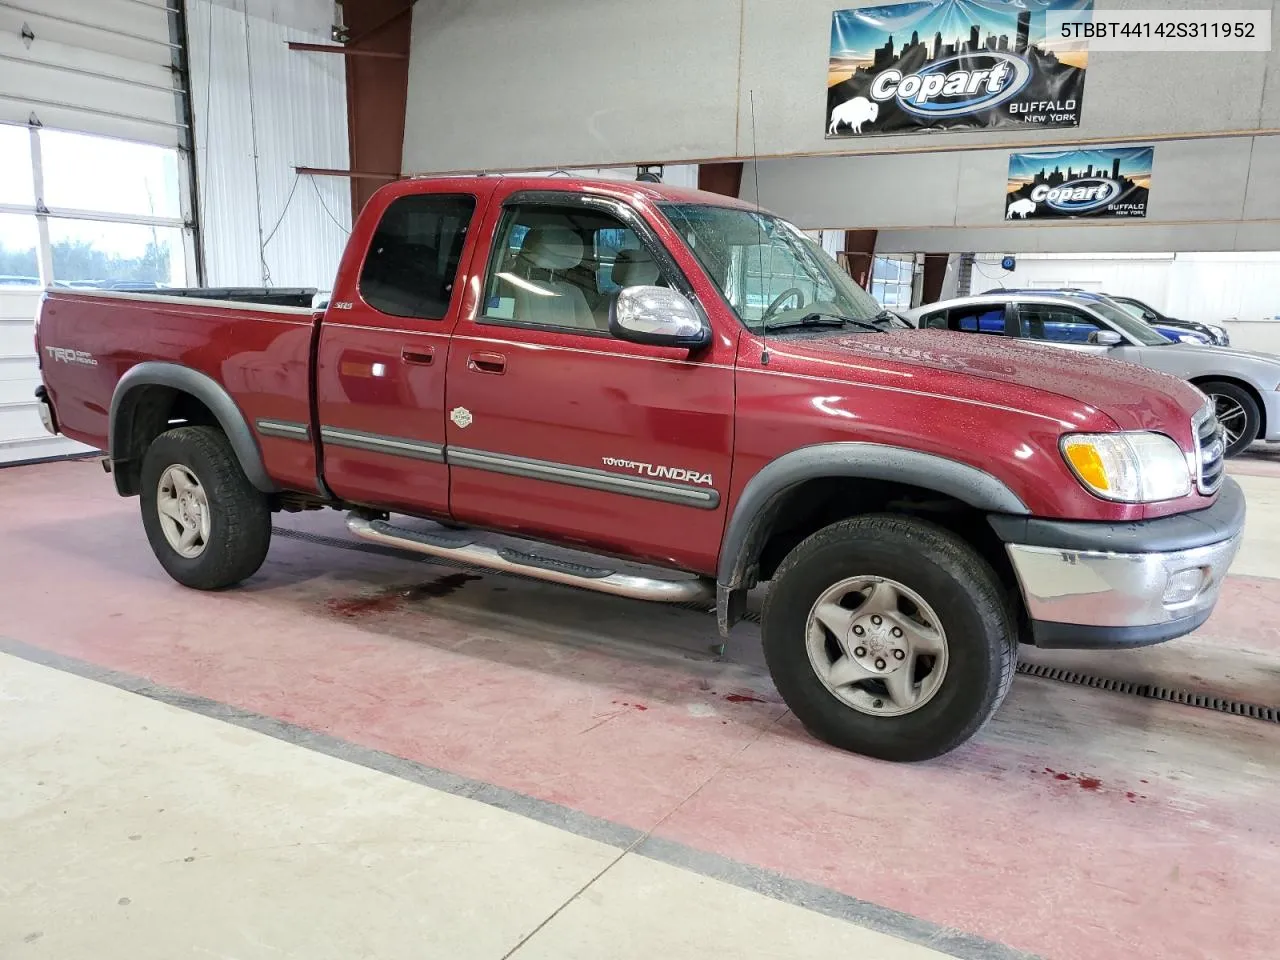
(94, 188)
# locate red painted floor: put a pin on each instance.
(1080, 823)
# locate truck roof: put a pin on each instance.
(654, 192)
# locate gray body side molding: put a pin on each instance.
(756, 508)
(209, 392)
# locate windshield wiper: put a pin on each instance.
(821, 320)
(888, 316)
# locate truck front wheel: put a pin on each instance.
(889, 636)
(207, 524)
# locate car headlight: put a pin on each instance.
(1128, 467)
(1190, 338)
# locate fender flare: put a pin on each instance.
(209, 392)
(763, 494)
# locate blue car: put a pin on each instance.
(1072, 333)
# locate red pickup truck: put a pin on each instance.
(669, 395)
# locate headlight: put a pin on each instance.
(1190, 338)
(1129, 467)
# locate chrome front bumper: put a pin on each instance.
(1148, 597)
(1089, 585)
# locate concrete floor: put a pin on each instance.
(363, 755)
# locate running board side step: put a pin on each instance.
(464, 549)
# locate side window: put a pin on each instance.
(1050, 322)
(978, 318)
(413, 259)
(934, 321)
(562, 266)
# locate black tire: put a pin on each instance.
(1252, 415)
(240, 516)
(951, 577)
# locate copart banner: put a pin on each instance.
(1064, 184)
(938, 65)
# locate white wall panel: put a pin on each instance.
(1209, 287)
(547, 82)
(1200, 191)
(262, 109)
(501, 85)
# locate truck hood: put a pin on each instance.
(1134, 397)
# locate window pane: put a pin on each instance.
(413, 259)
(18, 239)
(987, 318)
(1058, 324)
(116, 256)
(83, 172)
(560, 267)
(16, 184)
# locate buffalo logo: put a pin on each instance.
(944, 88)
(1083, 195)
(855, 113)
(1020, 208)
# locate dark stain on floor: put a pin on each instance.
(394, 598)
(1085, 783)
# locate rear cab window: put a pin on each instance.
(412, 264)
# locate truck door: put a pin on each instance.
(380, 377)
(558, 429)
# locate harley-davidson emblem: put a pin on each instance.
(461, 416)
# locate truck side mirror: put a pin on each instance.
(657, 316)
(1105, 338)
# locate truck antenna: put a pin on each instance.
(755, 154)
(755, 175)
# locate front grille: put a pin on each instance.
(1211, 447)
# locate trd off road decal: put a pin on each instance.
(936, 65)
(1065, 184)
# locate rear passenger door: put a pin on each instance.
(1060, 325)
(384, 346)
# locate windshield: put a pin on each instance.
(1126, 323)
(1132, 309)
(767, 269)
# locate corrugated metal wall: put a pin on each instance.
(260, 110)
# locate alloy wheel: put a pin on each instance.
(877, 646)
(184, 511)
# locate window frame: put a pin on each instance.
(460, 271)
(43, 214)
(628, 216)
(978, 306)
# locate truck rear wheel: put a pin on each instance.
(889, 636)
(207, 524)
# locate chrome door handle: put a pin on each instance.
(424, 356)
(487, 363)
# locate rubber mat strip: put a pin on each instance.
(1146, 691)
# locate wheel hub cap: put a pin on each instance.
(877, 646)
(183, 508)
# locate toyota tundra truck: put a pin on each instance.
(673, 396)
